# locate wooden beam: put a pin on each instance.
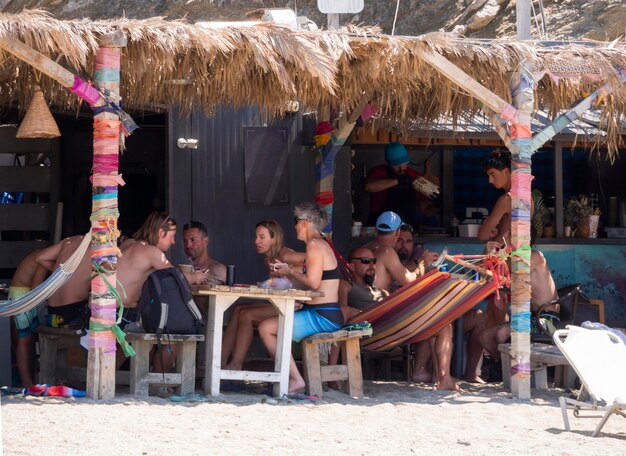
(463, 80)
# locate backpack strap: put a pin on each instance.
(185, 291)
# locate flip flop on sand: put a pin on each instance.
(302, 397)
(59, 391)
(189, 397)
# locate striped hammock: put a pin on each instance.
(420, 309)
(47, 288)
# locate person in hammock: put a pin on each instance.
(27, 276)
(389, 268)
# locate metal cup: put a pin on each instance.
(230, 275)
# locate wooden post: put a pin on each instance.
(522, 11)
(325, 162)
(522, 86)
(106, 144)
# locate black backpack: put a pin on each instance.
(166, 304)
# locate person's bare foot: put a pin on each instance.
(421, 376)
(448, 383)
(334, 385)
(232, 366)
(475, 379)
(296, 386)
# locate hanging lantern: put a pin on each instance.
(38, 121)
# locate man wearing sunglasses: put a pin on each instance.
(360, 294)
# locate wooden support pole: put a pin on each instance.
(325, 160)
(102, 346)
(522, 85)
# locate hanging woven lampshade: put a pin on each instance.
(38, 121)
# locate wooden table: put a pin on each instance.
(221, 298)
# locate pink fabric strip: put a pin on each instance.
(509, 113)
(520, 184)
(85, 91)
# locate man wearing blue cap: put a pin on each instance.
(389, 268)
(391, 186)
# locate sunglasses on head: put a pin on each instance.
(364, 260)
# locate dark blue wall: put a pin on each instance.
(207, 184)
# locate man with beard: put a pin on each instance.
(411, 256)
(360, 294)
(196, 245)
(391, 187)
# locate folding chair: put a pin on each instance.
(599, 359)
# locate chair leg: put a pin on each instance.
(312, 368)
(563, 402)
(606, 416)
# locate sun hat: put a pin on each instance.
(396, 154)
(388, 222)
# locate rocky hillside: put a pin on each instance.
(564, 19)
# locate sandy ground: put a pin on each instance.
(394, 418)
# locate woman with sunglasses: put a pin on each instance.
(322, 274)
(269, 242)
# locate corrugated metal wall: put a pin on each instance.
(207, 184)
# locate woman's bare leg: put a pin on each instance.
(230, 335)
(248, 319)
(268, 330)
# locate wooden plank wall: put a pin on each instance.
(207, 184)
(18, 221)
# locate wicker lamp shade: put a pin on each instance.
(38, 121)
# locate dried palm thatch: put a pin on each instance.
(174, 62)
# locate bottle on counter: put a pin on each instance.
(454, 225)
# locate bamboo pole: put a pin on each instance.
(106, 144)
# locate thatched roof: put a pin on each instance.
(269, 64)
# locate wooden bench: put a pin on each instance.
(184, 379)
(54, 344)
(541, 357)
(350, 370)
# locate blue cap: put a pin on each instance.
(396, 154)
(388, 222)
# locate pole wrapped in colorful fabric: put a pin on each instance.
(329, 142)
(522, 88)
(104, 232)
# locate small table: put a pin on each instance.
(221, 298)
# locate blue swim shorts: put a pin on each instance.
(26, 322)
(307, 322)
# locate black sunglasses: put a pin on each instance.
(296, 220)
(365, 260)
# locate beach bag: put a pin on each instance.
(166, 304)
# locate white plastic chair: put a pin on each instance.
(599, 359)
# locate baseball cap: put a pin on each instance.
(388, 222)
(396, 154)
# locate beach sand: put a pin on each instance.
(394, 418)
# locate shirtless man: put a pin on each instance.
(543, 291)
(498, 224)
(69, 305)
(388, 269)
(196, 243)
(27, 276)
(143, 254)
(473, 321)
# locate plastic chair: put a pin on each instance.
(599, 359)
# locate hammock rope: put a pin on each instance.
(48, 287)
